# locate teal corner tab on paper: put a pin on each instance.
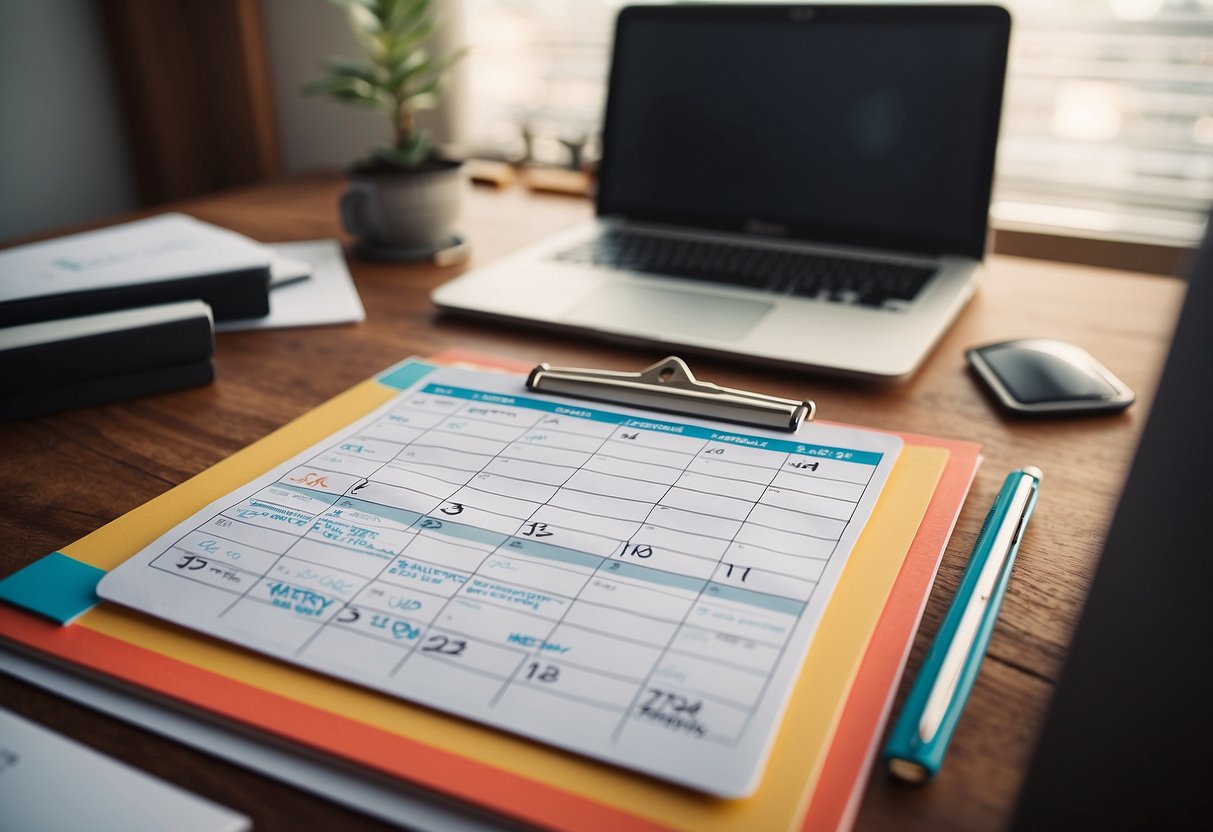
(403, 375)
(56, 586)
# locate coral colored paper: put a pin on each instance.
(839, 790)
(543, 786)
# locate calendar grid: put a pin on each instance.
(631, 587)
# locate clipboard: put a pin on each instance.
(142, 651)
(670, 386)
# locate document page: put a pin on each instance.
(633, 586)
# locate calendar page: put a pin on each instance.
(633, 586)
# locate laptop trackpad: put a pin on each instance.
(663, 312)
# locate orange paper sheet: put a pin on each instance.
(462, 760)
(839, 790)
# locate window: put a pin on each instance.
(1107, 123)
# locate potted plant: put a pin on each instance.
(403, 197)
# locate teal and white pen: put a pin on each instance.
(918, 742)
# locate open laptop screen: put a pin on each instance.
(872, 126)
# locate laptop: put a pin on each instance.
(802, 185)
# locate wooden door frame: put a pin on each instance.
(194, 83)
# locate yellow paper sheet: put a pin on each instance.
(809, 721)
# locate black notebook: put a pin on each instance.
(92, 359)
(161, 259)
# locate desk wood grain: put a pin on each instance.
(65, 475)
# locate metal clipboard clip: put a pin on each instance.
(669, 385)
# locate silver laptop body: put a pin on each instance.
(804, 185)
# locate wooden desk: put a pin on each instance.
(67, 474)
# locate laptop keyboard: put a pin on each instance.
(840, 279)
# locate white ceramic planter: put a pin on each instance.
(412, 210)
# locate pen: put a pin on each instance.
(918, 742)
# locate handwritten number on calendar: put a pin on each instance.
(803, 464)
(542, 672)
(348, 615)
(535, 529)
(737, 573)
(452, 509)
(444, 646)
(191, 563)
(640, 550)
(663, 701)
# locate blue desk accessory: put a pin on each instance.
(918, 742)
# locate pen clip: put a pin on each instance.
(670, 385)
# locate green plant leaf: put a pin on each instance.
(425, 101)
(404, 43)
(364, 19)
(366, 27)
(439, 66)
(345, 68)
(424, 77)
(399, 16)
(401, 76)
(414, 151)
(416, 65)
(352, 91)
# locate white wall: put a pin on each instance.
(63, 149)
(315, 131)
(63, 154)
